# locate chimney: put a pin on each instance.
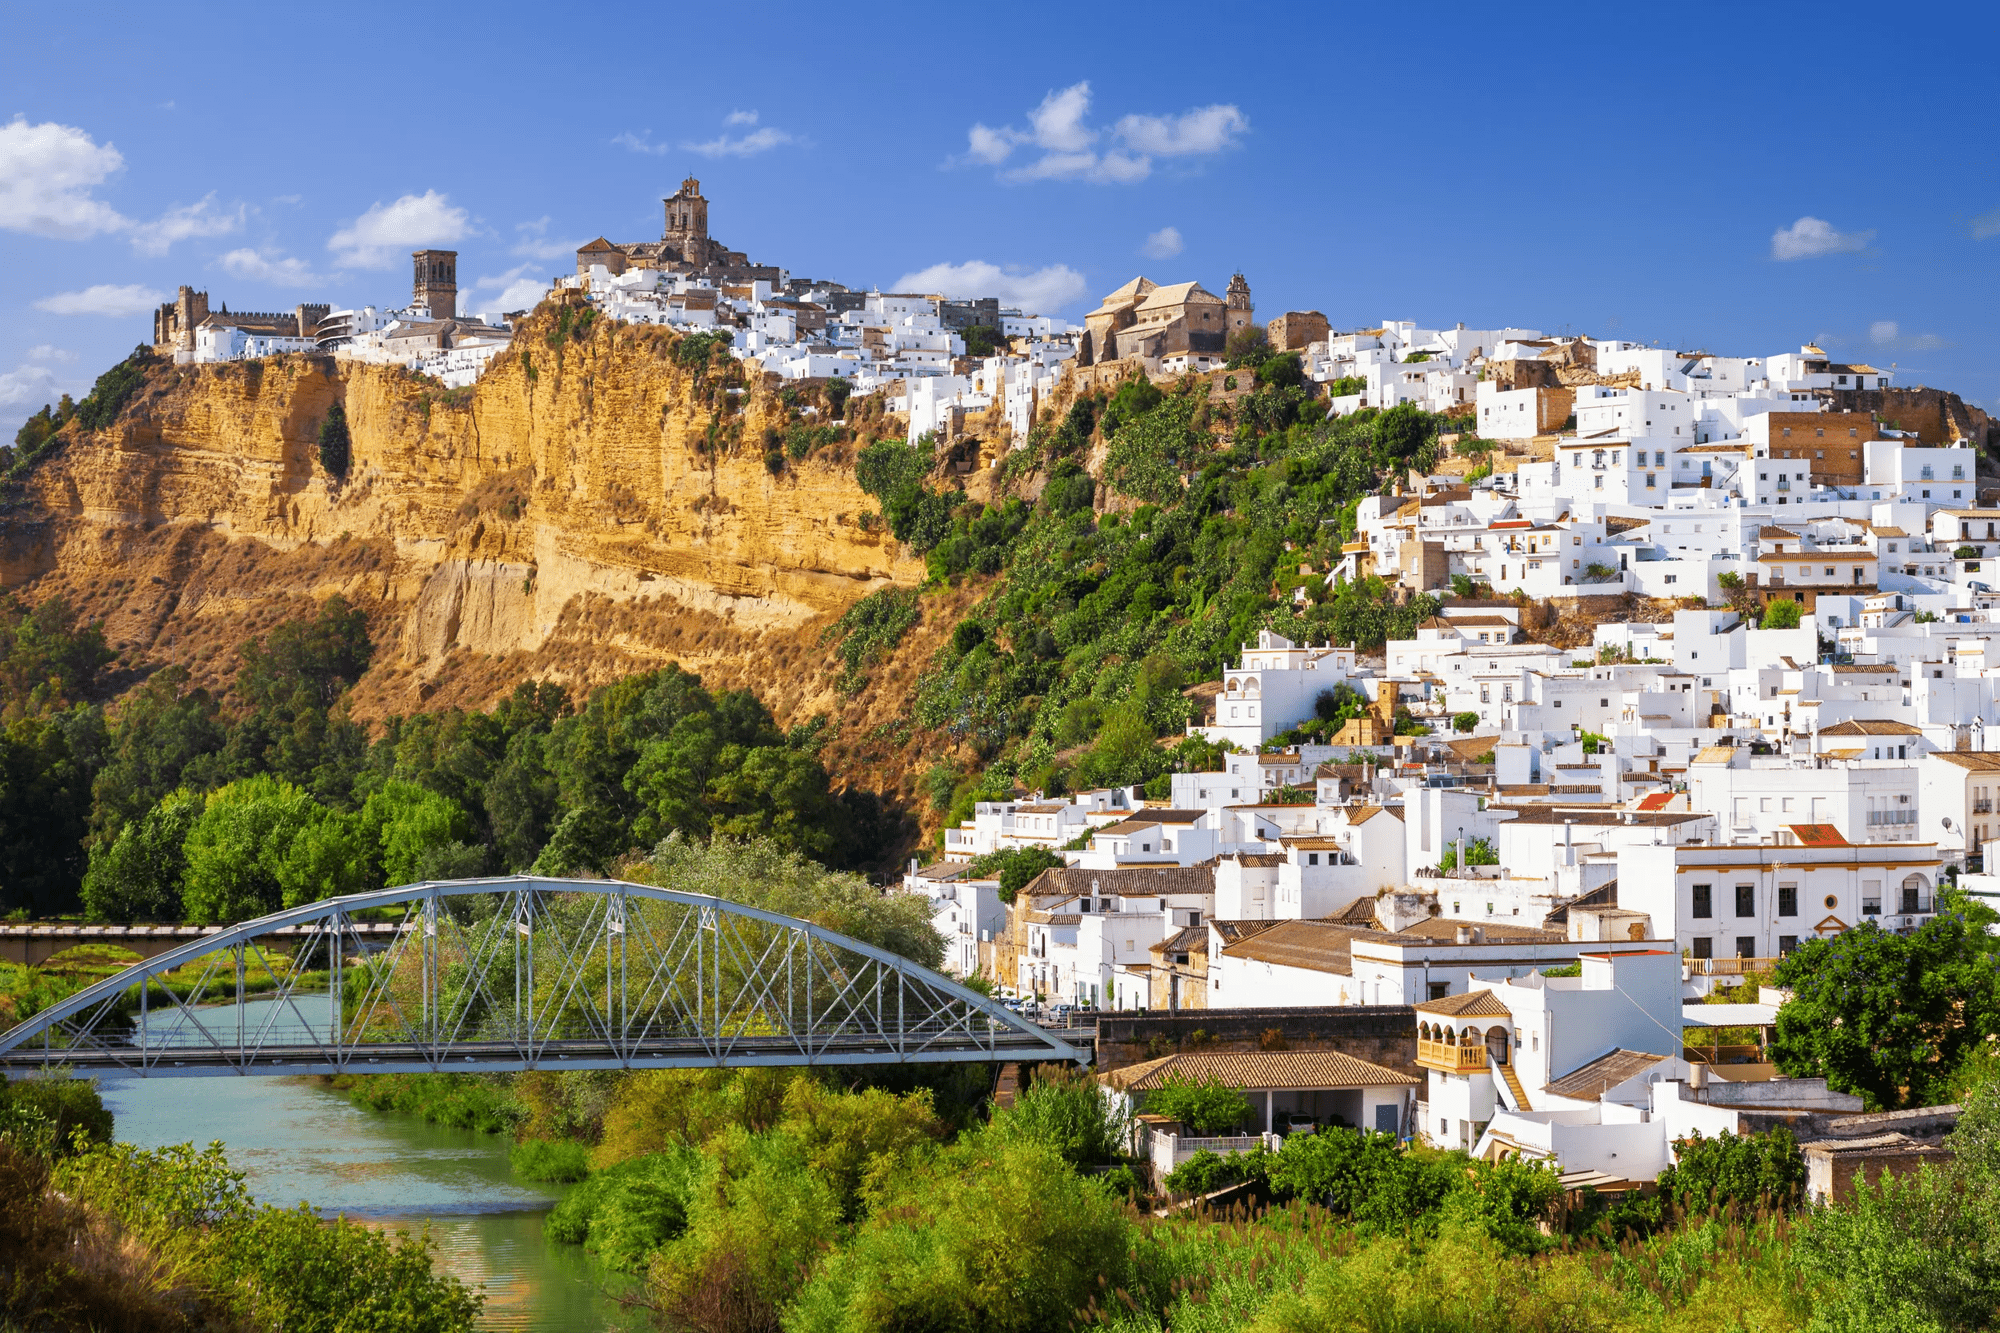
(913, 865)
(1464, 935)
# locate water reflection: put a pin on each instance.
(295, 1141)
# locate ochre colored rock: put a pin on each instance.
(580, 513)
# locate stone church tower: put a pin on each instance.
(436, 282)
(686, 231)
(1236, 300)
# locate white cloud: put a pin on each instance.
(641, 143)
(47, 172)
(1059, 126)
(183, 222)
(1208, 129)
(989, 146)
(747, 145)
(1813, 238)
(512, 290)
(103, 299)
(27, 387)
(1039, 291)
(386, 233)
(1058, 121)
(50, 352)
(535, 242)
(740, 118)
(1888, 335)
(1986, 226)
(1163, 244)
(279, 270)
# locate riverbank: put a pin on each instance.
(300, 1139)
(95, 1233)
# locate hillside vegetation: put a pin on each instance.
(1063, 608)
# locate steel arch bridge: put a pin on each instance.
(517, 973)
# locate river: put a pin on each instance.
(297, 1140)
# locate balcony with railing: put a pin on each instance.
(1727, 967)
(1450, 1058)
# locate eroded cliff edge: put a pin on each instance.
(593, 506)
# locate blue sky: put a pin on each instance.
(1735, 178)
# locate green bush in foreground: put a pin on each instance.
(557, 1162)
(267, 1267)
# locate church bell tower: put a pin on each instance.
(687, 223)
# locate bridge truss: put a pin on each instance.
(520, 973)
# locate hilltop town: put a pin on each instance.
(1571, 666)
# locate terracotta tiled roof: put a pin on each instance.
(1317, 946)
(1472, 1004)
(1070, 881)
(1259, 1069)
(1817, 835)
(1870, 727)
(1603, 1073)
(1974, 760)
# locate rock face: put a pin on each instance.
(587, 509)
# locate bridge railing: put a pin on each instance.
(516, 972)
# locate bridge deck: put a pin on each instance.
(505, 1057)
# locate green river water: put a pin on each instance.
(298, 1140)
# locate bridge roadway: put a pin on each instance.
(33, 943)
(507, 1057)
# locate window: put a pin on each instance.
(1746, 946)
(1704, 948)
(1787, 944)
(1438, 989)
(1704, 900)
(1746, 900)
(1788, 900)
(1312, 858)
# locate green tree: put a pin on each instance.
(1890, 1017)
(1206, 1106)
(767, 875)
(47, 762)
(1014, 867)
(1465, 722)
(1782, 615)
(334, 442)
(1406, 435)
(1752, 1171)
(259, 844)
(419, 834)
(165, 736)
(1478, 852)
(995, 1233)
(1067, 1113)
(137, 876)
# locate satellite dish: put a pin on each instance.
(1947, 821)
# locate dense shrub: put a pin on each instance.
(335, 444)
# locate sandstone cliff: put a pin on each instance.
(586, 510)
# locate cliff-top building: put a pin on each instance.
(1145, 319)
(684, 247)
(176, 322)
